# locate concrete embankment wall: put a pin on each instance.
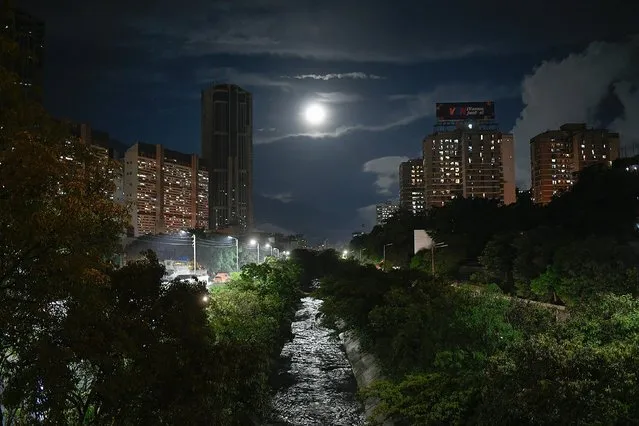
(366, 369)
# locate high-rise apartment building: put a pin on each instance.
(470, 161)
(166, 190)
(556, 156)
(411, 186)
(227, 147)
(28, 32)
(385, 211)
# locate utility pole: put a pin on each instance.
(237, 252)
(432, 260)
(194, 255)
(384, 264)
(432, 254)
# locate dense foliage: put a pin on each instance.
(250, 316)
(455, 355)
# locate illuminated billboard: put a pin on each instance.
(465, 111)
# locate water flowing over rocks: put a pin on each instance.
(316, 385)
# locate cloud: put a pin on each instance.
(332, 76)
(284, 197)
(274, 229)
(387, 171)
(627, 125)
(417, 107)
(402, 31)
(571, 90)
(338, 97)
(368, 214)
(228, 74)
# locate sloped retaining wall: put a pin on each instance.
(365, 369)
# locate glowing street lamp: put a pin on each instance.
(257, 244)
(183, 232)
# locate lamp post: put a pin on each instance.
(256, 243)
(386, 245)
(269, 246)
(277, 252)
(237, 252)
(194, 250)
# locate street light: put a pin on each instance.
(384, 264)
(255, 243)
(361, 252)
(237, 252)
(194, 250)
(344, 254)
(269, 246)
(278, 252)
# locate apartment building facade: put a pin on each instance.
(557, 156)
(469, 161)
(412, 186)
(166, 190)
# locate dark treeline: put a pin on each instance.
(582, 243)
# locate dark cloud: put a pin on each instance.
(400, 31)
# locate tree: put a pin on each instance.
(586, 268)
(497, 261)
(578, 372)
(58, 231)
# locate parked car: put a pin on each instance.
(221, 277)
(191, 279)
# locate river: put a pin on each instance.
(316, 385)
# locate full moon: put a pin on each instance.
(315, 114)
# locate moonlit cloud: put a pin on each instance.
(338, 97)
(571, 89)
(248, 79)
(387, 171)
(284, 197)
(338, 76)
(368, 214)
(416, 107)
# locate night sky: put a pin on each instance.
(135, 69)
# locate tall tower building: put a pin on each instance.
(411, 185)
(556, 156)
(227, 147)
(28, 33)
(167, 191)
(467, 156)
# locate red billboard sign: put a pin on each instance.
(465, 111)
